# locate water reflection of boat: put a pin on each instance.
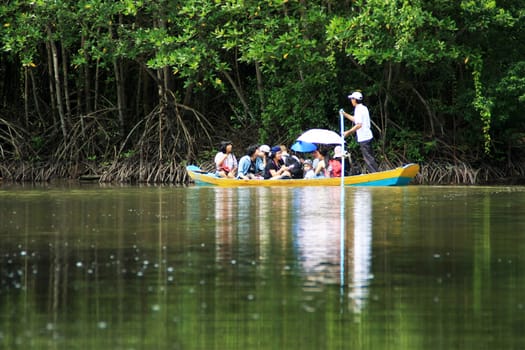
(362, 248)
(400, 176)
(316, 224)
(316, 228)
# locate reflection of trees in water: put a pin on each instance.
(247, 220)
(145, 271)
(225, 219)
(100, 262)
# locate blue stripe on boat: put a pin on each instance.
(398, 181)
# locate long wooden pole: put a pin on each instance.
(342, 228)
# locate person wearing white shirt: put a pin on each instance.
(225, 161)
(361, 128)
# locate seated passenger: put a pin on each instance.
(292, 162)
(225, 161)
(308, 170)
(275, 169)
(335, 164)
(321, 169)
(262, 160)
(315, 160)
(247, 163)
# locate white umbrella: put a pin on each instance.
(322, 136)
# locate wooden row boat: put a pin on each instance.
(400, 176)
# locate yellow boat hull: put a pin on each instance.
(400, 176)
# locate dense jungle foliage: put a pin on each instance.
(133, 90)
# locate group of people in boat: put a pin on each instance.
(263, 162)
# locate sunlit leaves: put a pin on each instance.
(481, 102)
(130, 7)
(394, 30)
(480, 15)
(513, 83)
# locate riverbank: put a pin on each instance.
(129, 171)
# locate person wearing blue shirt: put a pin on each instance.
(247, 164)
(262, 160)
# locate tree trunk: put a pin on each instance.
(58, 88)
(35, 95)
(384, 114)
(162, 109)
(96, 82)
(119, 82)
(26, 96)
(239, 93)
(188, 93)
(51, 80)
(66, 81)
(87, 79)
(120, 95)
(260, 86)
(427, 108)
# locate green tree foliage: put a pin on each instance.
(97, 79)
(270, 55)
(425, 48)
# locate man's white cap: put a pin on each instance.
(265, 148)
(356, 95)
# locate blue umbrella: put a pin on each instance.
(303, 146)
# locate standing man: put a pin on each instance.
(361, 120)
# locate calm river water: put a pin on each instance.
(129, 267)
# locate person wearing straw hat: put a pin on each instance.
(361, 128)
